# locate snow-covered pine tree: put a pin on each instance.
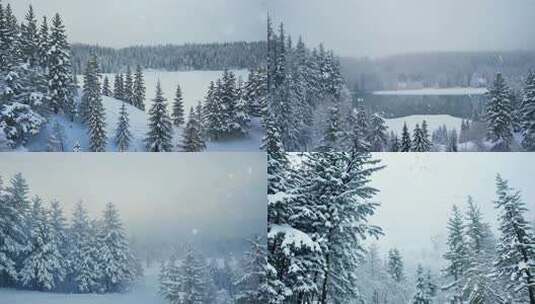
(241, 112)
(419, 142)
(456, 254)
(192, 140)
(29, 39)
(377, 133)
(498, 115)
(515, 263)
(123, 136)
(528, 113)
(113, 252)
(213, 108)
(421, 294)
(118, 87)
(128, 88)
(95, 116)
(169, 280)
(452, 141)
(139, 89)
(332, 133)
(252, 286)
(359, 123)
(406, 143)
(42, 266)
(425, 136)
(395, 265)
(59, 70)
(85, 272)
(106, 90)
(160, 132)
(395, 144)
(13, 235)
(178, 108)
(44, 45)
(58, 228)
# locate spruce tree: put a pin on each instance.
(123, 136)
(406, 142)
(29, 39)
(95, 115)
(515, 263)
(395, 265)
(452, 141)
(44, 45)
(118, 87)
(114, 252)
(139, 89)
(252, 286)
(128, 87)
(43, 263)
(528, 113)
(191, 137)
(83, 254)
(178, 108)
(395, 145)
(498, 115)
(59, 70)
(421, 295)
(457, 252)
(106, 90)
(377, 134)
(160, 132)
(419, 142)
(13, 235)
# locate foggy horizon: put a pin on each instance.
(158, 196)
(381, 29)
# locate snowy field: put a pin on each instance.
(435, 91)
(145, 291)
(194, 85)
(433, 122)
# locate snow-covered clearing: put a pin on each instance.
(435, 91)
(143, 291)
(433, 122)
(194, 84)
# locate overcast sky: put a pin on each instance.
(216, 195)
(418, 191)
(383, 27)
(120, 23)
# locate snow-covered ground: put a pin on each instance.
(433, 122)
(144, 291)
(436, 91)
(194, 85)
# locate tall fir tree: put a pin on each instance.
(139, 89)
(499, 115)
(59, 70)
(123, 136)
(128, 87)
(29, 39)
(192, 140)
(515, 263)
(395, 265)
(118, 87)
(527, 116)
(44, 44)
(106, 90)
(406, 142)
(456, 254)
(94, 116)
(160, 132)
(178, 108)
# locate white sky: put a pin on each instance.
(418, 191)
(120, 23)
(160, 195)
(384, 27)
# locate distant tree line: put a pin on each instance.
(209, 56)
